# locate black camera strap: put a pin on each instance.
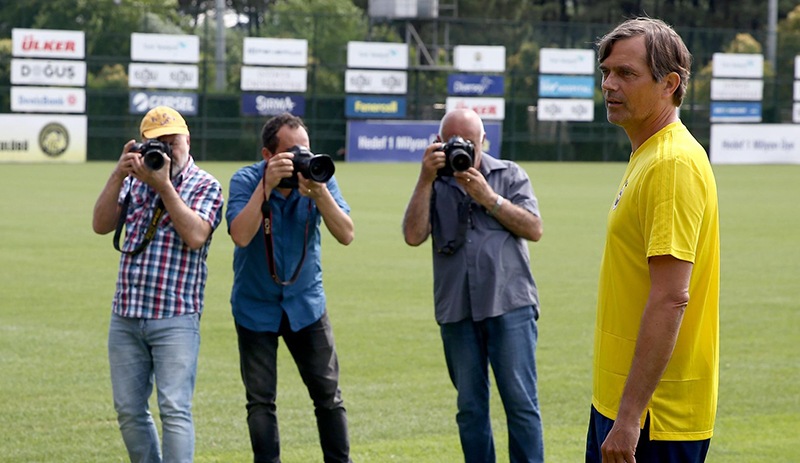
(151, 229)
(266, 213)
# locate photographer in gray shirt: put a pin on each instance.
(480, 212)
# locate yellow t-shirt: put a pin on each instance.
(666, 205)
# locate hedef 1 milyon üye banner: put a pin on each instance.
(403, 141)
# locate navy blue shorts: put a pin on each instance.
(647, 451)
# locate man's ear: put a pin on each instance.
(265, 154)
(671, 82)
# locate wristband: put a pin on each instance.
(497, 204)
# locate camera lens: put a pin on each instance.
(153, 159)
(320, 168)
(460, 160)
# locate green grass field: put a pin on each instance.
(58, 280)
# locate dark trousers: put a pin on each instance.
(314, 354)
(647, 451)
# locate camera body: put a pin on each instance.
(459, 155)
(151, 153)
(316, 167)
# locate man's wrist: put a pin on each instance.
(499, 202)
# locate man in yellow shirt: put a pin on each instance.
(656, 348)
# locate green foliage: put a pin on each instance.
(58, 280)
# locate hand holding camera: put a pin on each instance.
(316, 167)
(152, 153)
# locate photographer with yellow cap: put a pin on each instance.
(169, 208)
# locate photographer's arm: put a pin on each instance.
(417, 219)
(106, 209)
(336, 220)
(247, 223)
(193, 230)
(515, 219)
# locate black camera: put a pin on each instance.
(151, 153)
(316, 167)
(459, 155)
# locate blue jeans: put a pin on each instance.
(314, 354)
(647, 451)
(508, 343)
(165, 350)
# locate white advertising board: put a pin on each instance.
(737, 65)
(48, 72)
(386, 82)
(755, 144)
(42, 138)
(796, 90)
(377, 55)
(561, 109)
(472, 58)
(737, 89)
(797, 67)
(165, 48)
(46, 43)
(796, 112)
(490, 109)
(147, 75)
(48, 100)
(261, 51)
(274, 79)
(566, 61)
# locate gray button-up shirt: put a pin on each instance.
(489, 272)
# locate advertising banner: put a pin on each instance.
(403, 141)
(475, 85)
(755, 144)
(145, 75)
(389, 82)
(549, 109)
(261, 51)
(59, 73)
(257, 104)
(368, 107)
(48, 100)
(46, 43)
(490, 109)
(471, 58)
(274, 79)
(551, 86)
(567, 61)
(184, 102)
(737, 89)
(737, 65)
(165, 48)
(377, 55)
(42, 138)
(735, 111)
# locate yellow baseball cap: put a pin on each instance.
(162, 120)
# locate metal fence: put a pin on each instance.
(221, 132)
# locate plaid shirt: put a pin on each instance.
(167, 279)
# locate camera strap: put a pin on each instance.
(151, 229)
(266, 214)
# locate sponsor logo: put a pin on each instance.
(54, 139)
(184, 103)
(254, 104)
(30, 43)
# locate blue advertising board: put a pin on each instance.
(370, 107)
(554, 86)
(403, 141)
(736, 111)
(475, 85)
(140, 101)
(260, 104)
